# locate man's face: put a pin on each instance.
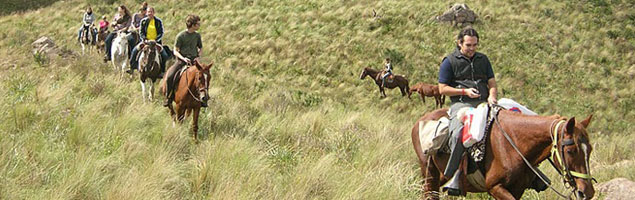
(468, 47)
(150, 13)
(197, 25)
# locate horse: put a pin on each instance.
(398, 81)
(87, 38)
(507, 174)
(149, 68)
(427, 90)
(119, 52)
(100, 41)
(189, 93)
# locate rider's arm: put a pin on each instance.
(491, 83)
(159, 28)
(199, 45)
(143, 30)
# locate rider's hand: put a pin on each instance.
(472, 93)
(187, 60)
(492, 100)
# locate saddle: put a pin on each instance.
(434, 138)
(390, 78)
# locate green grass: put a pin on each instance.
(289, 117)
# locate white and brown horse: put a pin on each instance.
(149, 67)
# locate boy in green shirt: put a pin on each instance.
(187, 48)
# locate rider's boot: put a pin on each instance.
(452, 186)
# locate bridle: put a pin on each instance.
(557, 151)
(206, 82)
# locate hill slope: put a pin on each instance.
(289, 118)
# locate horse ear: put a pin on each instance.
(586, 121)
(571, 125)
(209, 66)
(197, 64)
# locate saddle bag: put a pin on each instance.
(474, 123)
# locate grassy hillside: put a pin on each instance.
(289, 117)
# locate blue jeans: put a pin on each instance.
(108, 43)
(383, 78)
(79, 33)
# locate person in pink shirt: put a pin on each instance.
(103, 24)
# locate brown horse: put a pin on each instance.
(398, 81)
(101, 40)
(427, 90)
(507, 176)
(149, 68)
(190, 91)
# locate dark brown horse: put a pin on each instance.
(149, 68)
(427, 90)
(189, 92)
(506, 174)
(398, 81)
(101, 40)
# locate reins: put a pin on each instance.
(190, 91)
(526, 161)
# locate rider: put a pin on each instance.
(103, 24)
(187, 48)
(467, 77)
(151, 29)
(121, 22)
(87, 21)
(388, 67)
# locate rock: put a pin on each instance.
(46, 46)
(618, 188)
(458, 13)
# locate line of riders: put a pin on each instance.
(141, 28)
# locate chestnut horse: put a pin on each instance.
(507, 174)
(398, 81)
(189, 92)
(149, 68)
(100, 41)
(427, 90)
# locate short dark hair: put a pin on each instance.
(192, 20)
(469, 31)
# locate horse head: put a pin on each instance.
(202, 79)
(575, 150)
(149, 53)
(367, 71)
(122, 36)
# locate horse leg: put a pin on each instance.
(403, 90)
(499, 192)
(151, 95)
(431, 179)
(195, 113)
(143, 90)
(423, 97)
(437, 101)
(381, 92)
(180, 113)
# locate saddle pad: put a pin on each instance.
(429, 130)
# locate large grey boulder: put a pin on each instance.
(618, 188)
(458, 13)
(46, 46)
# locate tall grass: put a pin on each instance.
(289, 117)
